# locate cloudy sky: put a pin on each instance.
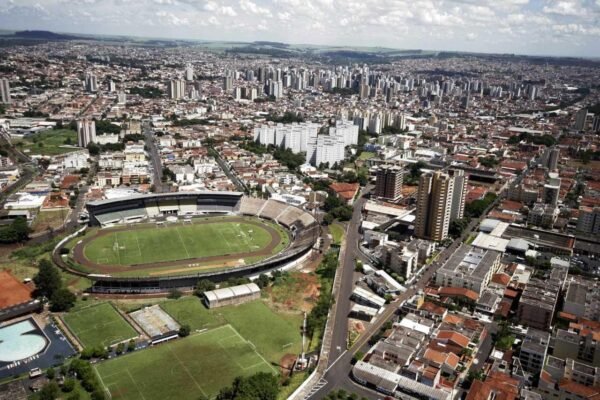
(547, 27)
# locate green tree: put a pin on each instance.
(50, 391)
(262, 281)
(47, 280)
(184, 330)
(93, 149)
(68, 385)
(261, 386)
(62, 300)
(204, 285)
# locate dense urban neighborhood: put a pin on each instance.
(215, 220)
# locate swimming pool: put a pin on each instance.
(20, 341)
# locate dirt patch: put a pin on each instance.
(12, 291)
(286, 364)
(295, 292)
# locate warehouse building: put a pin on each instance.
(232, 295)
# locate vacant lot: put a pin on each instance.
(186, 369)
(50, 142)
(99, 325)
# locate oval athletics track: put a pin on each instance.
(79, 256)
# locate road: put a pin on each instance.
(154, 159)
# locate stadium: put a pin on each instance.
(161, 241)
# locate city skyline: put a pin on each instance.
(553, 28)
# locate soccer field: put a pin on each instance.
(185, 369)
(273, 335)
(99, 325)
(210, 237)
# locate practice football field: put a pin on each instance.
(146, 244)
(99, 325)
(185, 369)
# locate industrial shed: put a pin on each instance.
(232, 295)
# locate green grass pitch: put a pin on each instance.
(99, 325)
(185, 369)
(273, 335)
(148, 244)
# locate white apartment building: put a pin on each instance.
(86, 132)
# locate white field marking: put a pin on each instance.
(183, 243)
(187, 371)
(118, 251)
(135, 383)
(225, 239)
(102, 382)
(260, 355)
(138, 244)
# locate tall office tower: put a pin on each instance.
(189, 73)
(112, 86)
(262, 74)
(596, 124)
(434, 205)
(363, 91)
(400, 121)
(5, 91)
(86, 132)
(91, 83)
(551, 157)
(121, 98)
(176, 88)
(389, 183)
(252, 94)
(580, 118)
(237, 93)
(228, 83)
(459, 194)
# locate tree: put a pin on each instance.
(93, 149)
(328, 219)
(184, 330)
(51, 391)
(204, 285)
(262, 281)
(50, 373)
(131, 345)
(47, 280)
(68, 385)
(260, 386)
(17, 231)
(62, 300)
(174, 294)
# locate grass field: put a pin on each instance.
(48, 142)
(148, 244)
(49, 218)
(337, 233)
(273, 334)
(186, 369)
(99, 325)
(190, 311)
(365, 155)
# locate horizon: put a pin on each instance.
(564, 28)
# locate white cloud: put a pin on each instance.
(253, 8)
(565, 7)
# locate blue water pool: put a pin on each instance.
(20, 341)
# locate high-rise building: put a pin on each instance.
(121, 98)
(596, 124)
(176, 88)
(228, 83)
(434, 206)
(112, 86)
(91, 83)
(189, 73)
(550, 194)
(459, 194)
(580, 118)
(86, 132)
(389, 183)
(551, 157)
(5, 91)
(589, 220)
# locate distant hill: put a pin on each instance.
(44, 35)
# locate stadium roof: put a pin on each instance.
(166, 195)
